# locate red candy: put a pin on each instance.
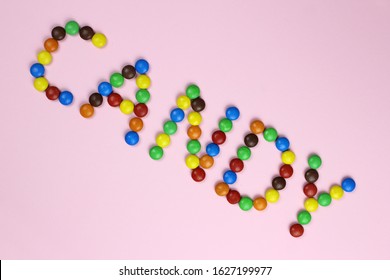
(218, 137)
(114, 99)
(233, 197)
(52, 93)
(198, 174)
(236, 165)
(286, 171)
(310, 190)
(296, 230)
(140, 110)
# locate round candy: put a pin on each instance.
(99, 40)
(141, 110)
(212, 149)
(163, 140)
(260, 203)
(193, 91)
(198, 174)
(304, 217)
(142, 66)
(221, 189)
(232, 113)
(310, 190)
(156, 152)
(194, 118)
(243, 153)
(282, 144)
(105, 88)
(128, 72)
(311, 204)
(86, 32)
(132, 138)
(51, 45)
(170, 127)
(193, 146)
(95, 99)
(41, 84)
(194, 132)
(206, 161)
(218, 137)
(236, 165)
(142, 96)
(142, 81)
(311, 176)
(257, 127)
(286, 171)
(296, 230)
(37, 70)
(336, 192)
(116, 80)
(348, 184)
(126, 106)
(229, 177)
(44, 57)
(114, 99)
(192, 161)
(233, 197)
(245, 203)
(278, 183)
(86, 110)
(270, 134)
(177, 115)
(198, 104)
(58, 33)
(52, 93)
(324, 199)
(272, 195)
(136, 124)
(288, 157)
(225, 125)
(183, 102)
(72, 27)
(314, 161)
(66, 98)
(251, 140)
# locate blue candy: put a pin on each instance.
(348, 184)
(212, 149)
(37, 70)
(177, 115)
(232, 113)
(66, 98)
(132, 138)
(229, 177)
(282, 144)
(142, 66)
(105, 88)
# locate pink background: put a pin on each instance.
(318, 71)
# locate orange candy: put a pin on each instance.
(194, 132)
(51, 45)
(257, 127)
(222, 189)
(260, 203)
(206, 161)
(136, 124)
(86, 110)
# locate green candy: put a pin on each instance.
(304, 217)
(156, 152)
(245, 203)
(243, 153)
(314, 161)
(193, 147)
(270, 134)
(324, 199)
(142, 95)
(72, 27)
(193, 91)
(117, 80)
(170, 127)
(225, 125)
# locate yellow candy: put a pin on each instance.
(44, 57)
(288, 157)
(163, 140)
(183, 102)
(126, 107)
(272, 195)
(143, 81)
(192, 161)
(311, 204)
(336, 192)
(194, 118)
(99, 40)
(41, 84)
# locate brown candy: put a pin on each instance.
(198, 104)
(86, 33)
(58, 33)
(128, 72)
(278, 183)
(96, 99)
(251, 140)
(311, 176)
